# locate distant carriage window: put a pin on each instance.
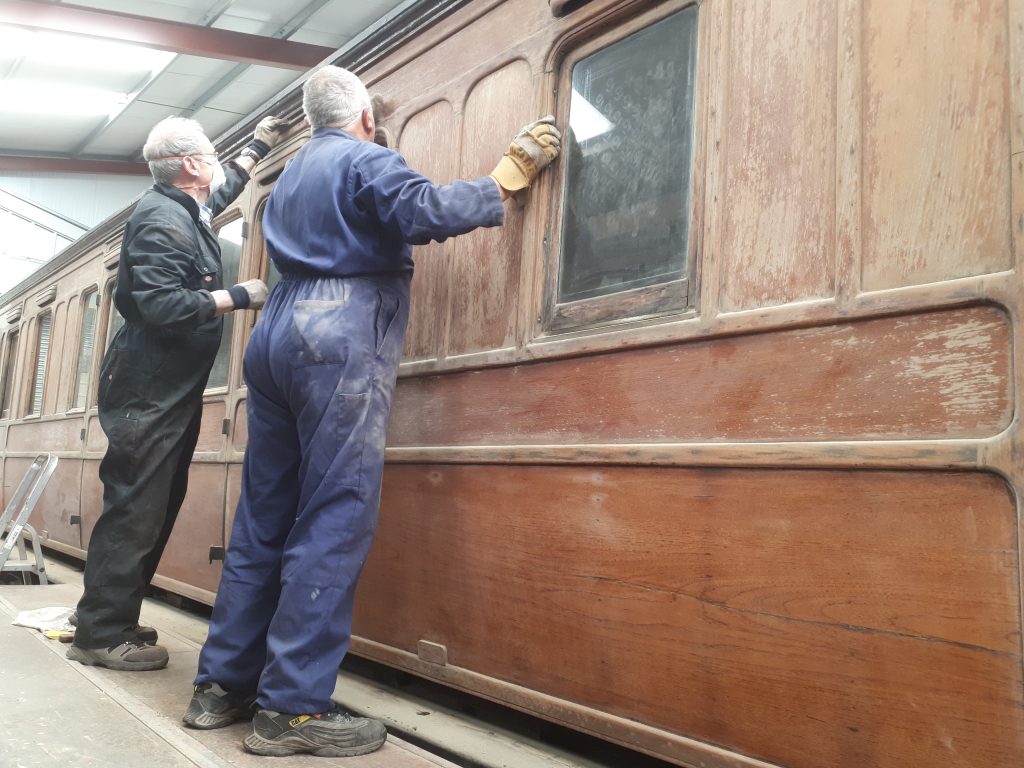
(230, 236)
(116, 319)
(9, 363)
(86, 348)
(42, 355)
(626, 207)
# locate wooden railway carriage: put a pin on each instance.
(714, 449)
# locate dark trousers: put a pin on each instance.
(320, 370)
(150, 408)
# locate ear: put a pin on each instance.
(190, 165)
(367, 120)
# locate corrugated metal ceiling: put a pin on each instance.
(47, 107)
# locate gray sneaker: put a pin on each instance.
(145, 634)
(328, 734)
(133, 655)
(213, 707)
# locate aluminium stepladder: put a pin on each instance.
(14, 523)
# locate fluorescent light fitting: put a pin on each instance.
(43, 98)
(585, 119)
(90, 53)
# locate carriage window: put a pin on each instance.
(86, 348)
(9, 363)
(42, 354)
(116, 320)
(626, 205)
(230, 236)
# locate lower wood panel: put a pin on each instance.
(808, 618)
(200, 525)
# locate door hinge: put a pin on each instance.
(216, 553)
(225, 427)
(81, 434)
(75, 520)
(245, 230)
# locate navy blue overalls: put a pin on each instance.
(320, 370)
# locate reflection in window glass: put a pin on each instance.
(10, 360)
(626, 211)
(86, 348)
(116, 321)
(42, 354)
(230, 236)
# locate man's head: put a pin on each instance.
(179, 154)
(333, 97)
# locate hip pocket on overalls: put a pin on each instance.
(352, 427)
(319, 332)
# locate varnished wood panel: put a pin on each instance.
(778, 206)
(809, 618)
(231, 505)
(199, 526)
(240, 428)
(91, 503)
(44, 436)
(940, 374)
(211, 431)
(936, 141)
(59, 501)
(487, 262)
(421, 136)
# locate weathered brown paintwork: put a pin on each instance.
(774, 524)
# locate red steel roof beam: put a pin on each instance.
(163, 35)
(71, 165)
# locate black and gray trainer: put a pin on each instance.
(145, 634)
(133, 655)
(328, 734)
(213, 707)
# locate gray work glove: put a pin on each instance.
(252, 294)
(532, 150)
(270, 130)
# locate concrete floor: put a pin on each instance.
(57, 712)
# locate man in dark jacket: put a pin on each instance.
(320, 371)
(170, 293)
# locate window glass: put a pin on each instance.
(9, 363)
(230, 236)
(116, 321)
(42, 355)
(626, 209)
(86, 348)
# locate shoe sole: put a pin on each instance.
(207, 721)
(83, 656)
(292, 744)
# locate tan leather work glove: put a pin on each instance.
(270, 130)
(257, 291)
(532, 150)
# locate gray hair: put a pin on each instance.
(333, 96)
(172, 137)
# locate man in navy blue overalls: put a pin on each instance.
(320, 370)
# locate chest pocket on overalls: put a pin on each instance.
(202, 276)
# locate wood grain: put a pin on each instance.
(936, 141)
(806, 617)
(933, 375)
(778, 201)
(486, 263)
(422, 135)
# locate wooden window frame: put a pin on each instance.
(33, 373)
(230, 216)
(672, 299)
(9, 374)
(73, 406)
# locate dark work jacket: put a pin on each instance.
(159, 361)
